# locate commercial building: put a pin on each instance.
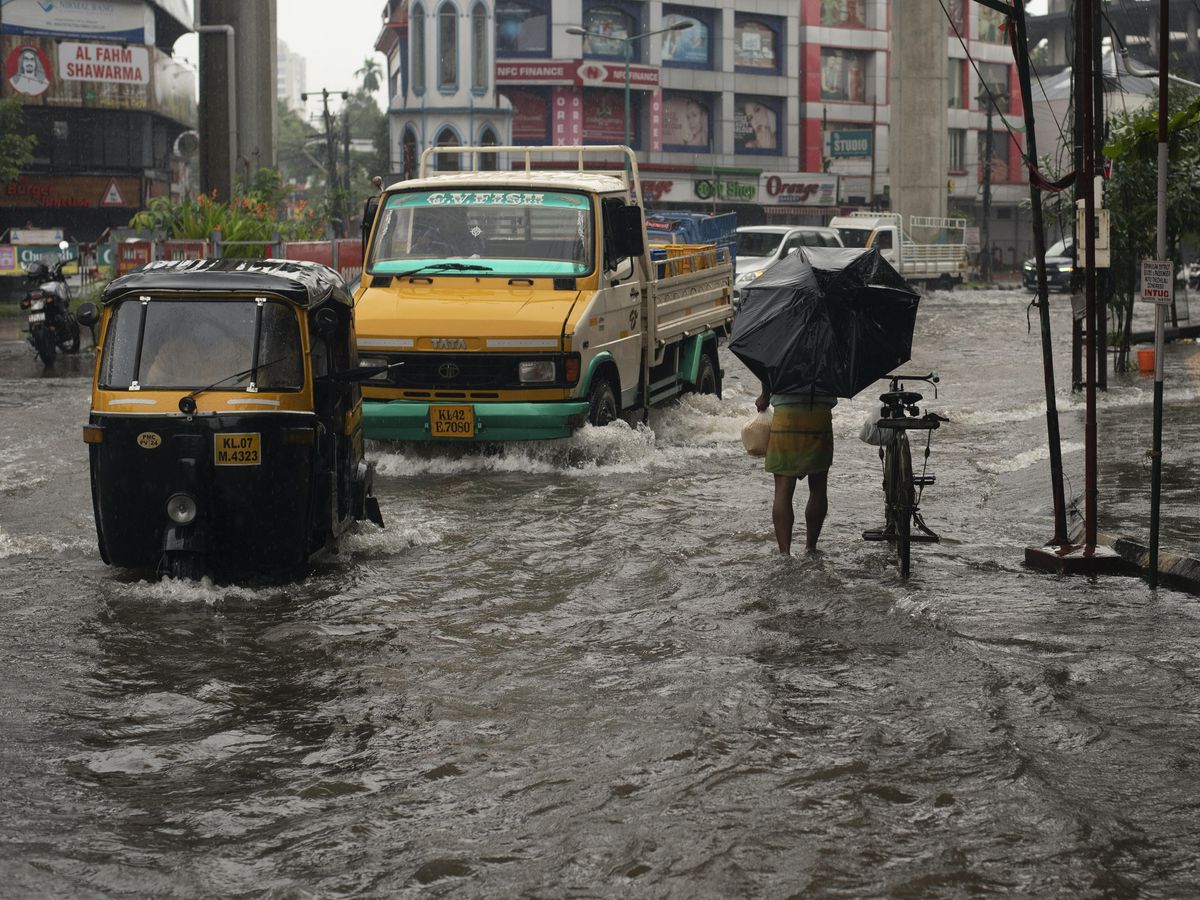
(291, 76)
(778, 109)
(106, 101)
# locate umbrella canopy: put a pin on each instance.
(826, 321)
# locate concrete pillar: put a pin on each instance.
(918, 138)
(257, 126)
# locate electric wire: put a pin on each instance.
(1022, 149)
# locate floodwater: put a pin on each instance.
(581, 669)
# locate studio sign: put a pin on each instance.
(707, 188)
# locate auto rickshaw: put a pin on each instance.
(225, 434)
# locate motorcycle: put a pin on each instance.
(52, 325)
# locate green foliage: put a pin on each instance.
(252, 215)
(16, 147)
(1132, 196)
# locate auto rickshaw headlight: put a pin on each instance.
(540, 370)
(181, 508)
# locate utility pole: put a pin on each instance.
(332, 181)
(985, 242)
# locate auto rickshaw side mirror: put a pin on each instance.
(87, 315)
(326, 322)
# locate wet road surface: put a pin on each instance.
(580, 669)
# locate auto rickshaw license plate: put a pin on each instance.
(237, 449)
(452, 421)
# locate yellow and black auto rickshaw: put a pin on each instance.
(225, 434)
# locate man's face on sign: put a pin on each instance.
(29, 64)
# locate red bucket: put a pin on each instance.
(1146, 361)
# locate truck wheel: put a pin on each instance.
(707, 379)
(602, 402)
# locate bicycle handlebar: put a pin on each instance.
(931, 378)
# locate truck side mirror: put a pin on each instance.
(87, 315)
(370, 208)
(629, 234)
(622, 232)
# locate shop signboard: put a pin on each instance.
(94, 19)
(71, 192)
(92, 74)
(853, 144)
(854, 188)
(799, 188)
(576, 72)
(727, 188)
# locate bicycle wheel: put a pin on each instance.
(902, 482)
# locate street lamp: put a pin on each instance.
(627, 44)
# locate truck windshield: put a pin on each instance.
(510, 232)
(854, 237)
(190, 344)
(757, 243)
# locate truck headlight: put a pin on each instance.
(181, 508)
(371, 362)
(536, 371)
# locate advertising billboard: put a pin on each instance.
(96, 75)
(96, 19)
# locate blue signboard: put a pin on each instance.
(848, 144)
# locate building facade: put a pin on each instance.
(778, 109)
(291, 77)
(106, 101)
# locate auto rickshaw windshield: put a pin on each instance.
(194, 344)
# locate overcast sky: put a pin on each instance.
(334, 36)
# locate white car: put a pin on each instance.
(761, 246)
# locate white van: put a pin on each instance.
(761, 246)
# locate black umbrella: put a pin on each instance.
(825, 321)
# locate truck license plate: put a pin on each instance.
(237, 449)
(452, 421)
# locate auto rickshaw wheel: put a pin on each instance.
(185, 564)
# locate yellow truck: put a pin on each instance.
(520, 304)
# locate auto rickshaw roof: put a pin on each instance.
(307, 284)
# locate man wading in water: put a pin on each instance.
(801, 444)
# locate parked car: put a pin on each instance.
(1060, 264)
(761, 246)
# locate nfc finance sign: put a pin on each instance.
(848, 144)
(1158, 280)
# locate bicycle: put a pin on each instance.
(898, 415)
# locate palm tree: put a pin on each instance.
(370, 73)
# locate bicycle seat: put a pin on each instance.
(907, 398)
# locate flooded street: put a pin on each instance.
(581, 669)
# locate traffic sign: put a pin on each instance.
(112, 195)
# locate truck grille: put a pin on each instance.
(458, 371)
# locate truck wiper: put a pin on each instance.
(444, 267)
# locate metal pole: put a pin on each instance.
(985, 264)
(1160, 312)
(1039, 245)
(628, 54)
(1088, 189)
